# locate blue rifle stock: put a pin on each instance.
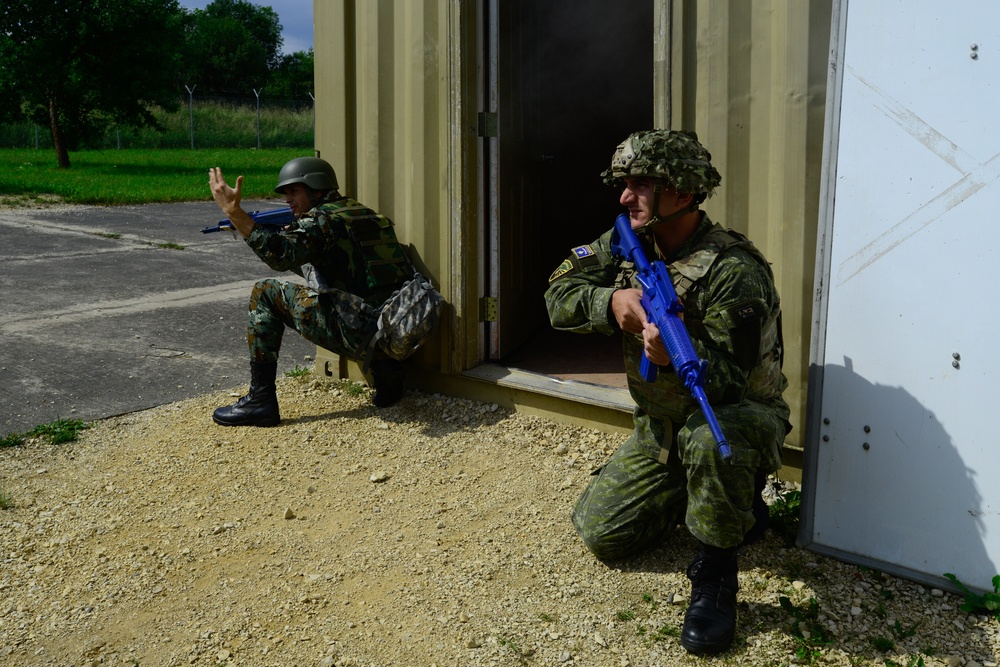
(659, 299)
(276, 218)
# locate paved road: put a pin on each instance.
(101, 318)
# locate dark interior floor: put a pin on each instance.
(593, 358)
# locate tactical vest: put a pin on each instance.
(376, 260)
(765, 381)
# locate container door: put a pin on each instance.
(567, 81)
(901, 449)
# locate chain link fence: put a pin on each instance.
(205, 122)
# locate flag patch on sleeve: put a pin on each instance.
(563, 269)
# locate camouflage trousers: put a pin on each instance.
(338, 321)
(664, 475)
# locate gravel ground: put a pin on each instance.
(435, 532)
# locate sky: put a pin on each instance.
(295, 16)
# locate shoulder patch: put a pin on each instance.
(746, 311)
(580, 259)
(586, 256)
(562, 270)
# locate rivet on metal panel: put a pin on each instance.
(826, 438)
(956, 356)
(974, 47)
(866, 446)
(868, 429)
(956, 364)
(826, 420)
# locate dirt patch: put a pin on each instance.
(435, 532)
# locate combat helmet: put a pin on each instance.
(673, 156)
(314, 172)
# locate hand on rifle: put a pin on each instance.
(653, 345)
(626, 306)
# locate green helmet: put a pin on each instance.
(674, 156)
(312, 171)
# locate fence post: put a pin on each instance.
(314, 116)
(257, 93)
(191, 107)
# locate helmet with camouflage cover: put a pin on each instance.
(313, 172)
(673, 156)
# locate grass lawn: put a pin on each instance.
(113, 177)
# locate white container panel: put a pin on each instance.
(904, 450)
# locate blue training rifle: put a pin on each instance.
(659, 299)
(276, 218)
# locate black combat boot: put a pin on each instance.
(710, 621)
(260, 406)
(387, 379)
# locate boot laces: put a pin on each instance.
(712, 580)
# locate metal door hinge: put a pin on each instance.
(488, 310)
(487, 124)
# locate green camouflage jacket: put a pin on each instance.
(340, 245)
(731, 310)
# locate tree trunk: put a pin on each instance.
(57, 135)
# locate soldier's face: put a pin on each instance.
(639, 196)
(297, 198)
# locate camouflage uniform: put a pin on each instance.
(351, 262)
(669, 469)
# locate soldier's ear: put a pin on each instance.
(685, 199)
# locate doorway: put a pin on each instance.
(568, 80)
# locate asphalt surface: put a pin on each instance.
(110, 310)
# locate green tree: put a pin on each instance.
(231, 47)
(293, 75)
(76, 65)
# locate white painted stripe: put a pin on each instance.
(150, 302)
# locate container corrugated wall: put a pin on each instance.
(750, 78)
(396, 116)
(397, 100)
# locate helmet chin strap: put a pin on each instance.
(655, 219)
